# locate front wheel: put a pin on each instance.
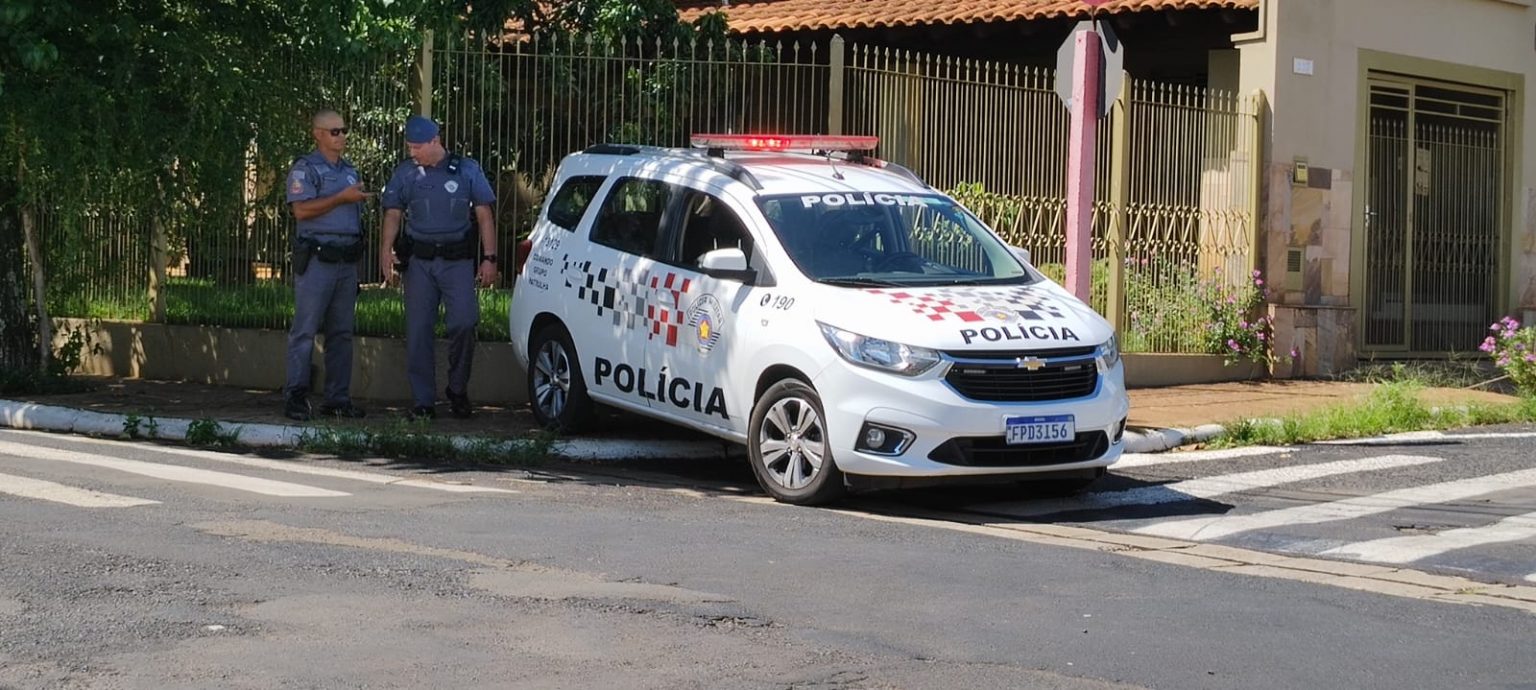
(788, 446)
(556, 390)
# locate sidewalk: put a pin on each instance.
(1161, 418)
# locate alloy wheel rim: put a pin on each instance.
(792, 443)
(551, 379)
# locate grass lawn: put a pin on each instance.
(1393, 407)
(266, 304)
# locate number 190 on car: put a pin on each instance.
(1047, 429)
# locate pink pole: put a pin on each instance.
(1080, 164)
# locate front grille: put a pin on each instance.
(994, 451)
(1003, 380)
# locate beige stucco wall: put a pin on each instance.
(1315, 118)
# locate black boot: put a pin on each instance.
(297, 408)
(459, 404)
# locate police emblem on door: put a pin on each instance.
(704, 319)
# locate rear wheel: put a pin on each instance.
(788, 446)
(556, 390)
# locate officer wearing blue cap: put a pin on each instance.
(326, 197)
(443, 197)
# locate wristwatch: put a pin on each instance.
(488, 257)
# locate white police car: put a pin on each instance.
(848, 323)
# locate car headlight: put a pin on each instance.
(884, 355)
(1109, 353)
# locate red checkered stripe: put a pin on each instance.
(935, 308)
(665, 320)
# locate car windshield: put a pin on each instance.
(863, 239)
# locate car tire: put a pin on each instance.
(787, 444)
(557, 392)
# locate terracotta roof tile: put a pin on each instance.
(754, 16)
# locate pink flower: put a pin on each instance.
(1488, 345)
(1258, 281)
(1295, 353)
(1257, 273)
(1261, 336)
(1530, 357)
(1233, 344)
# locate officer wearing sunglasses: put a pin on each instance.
(326, 197)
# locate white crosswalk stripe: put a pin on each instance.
(1221, 485)
(1130, 460)
(175, 473)
(1407, 549)
(25, 487)
(1209, 528)
(299, 468)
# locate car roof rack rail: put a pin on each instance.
(902, 170)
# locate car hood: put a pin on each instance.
(1041, 316)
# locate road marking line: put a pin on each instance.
(1407, 549)
(59, 493)
(1209, 528)
(1384, 580)
(1496, 434)
(291, 466)
(1149, 459)
(1219, 485)
(175, 473)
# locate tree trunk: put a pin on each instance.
(39, 288)
(18, 330)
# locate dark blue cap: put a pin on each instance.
(420, 130)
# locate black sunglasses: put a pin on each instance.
(335, 131)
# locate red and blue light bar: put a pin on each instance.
(785, 142)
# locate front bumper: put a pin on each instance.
(956, 436)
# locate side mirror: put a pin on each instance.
(1022, 253)
(729, 263)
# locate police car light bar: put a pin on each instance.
(784, 142)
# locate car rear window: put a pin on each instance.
(571, 201)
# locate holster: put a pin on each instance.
(403, 247)
(302, 253)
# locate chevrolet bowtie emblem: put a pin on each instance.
(1030, 363)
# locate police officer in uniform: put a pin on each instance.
(326, 197)
(444, 198)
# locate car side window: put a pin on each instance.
(630, 219)
(570, 203)
(710, 224)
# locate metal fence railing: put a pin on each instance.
(1177, 167)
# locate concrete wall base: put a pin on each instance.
(254, 358)
(1157, 370)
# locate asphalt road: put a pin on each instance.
(133, 566)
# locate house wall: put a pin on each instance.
(1316, 118)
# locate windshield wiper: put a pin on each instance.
(860, 282)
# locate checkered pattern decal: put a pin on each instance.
(630, 297)
(972, 304)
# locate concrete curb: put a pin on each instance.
(26, 415)
(17, 414)
(1159, 440)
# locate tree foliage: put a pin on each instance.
(158, 101)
